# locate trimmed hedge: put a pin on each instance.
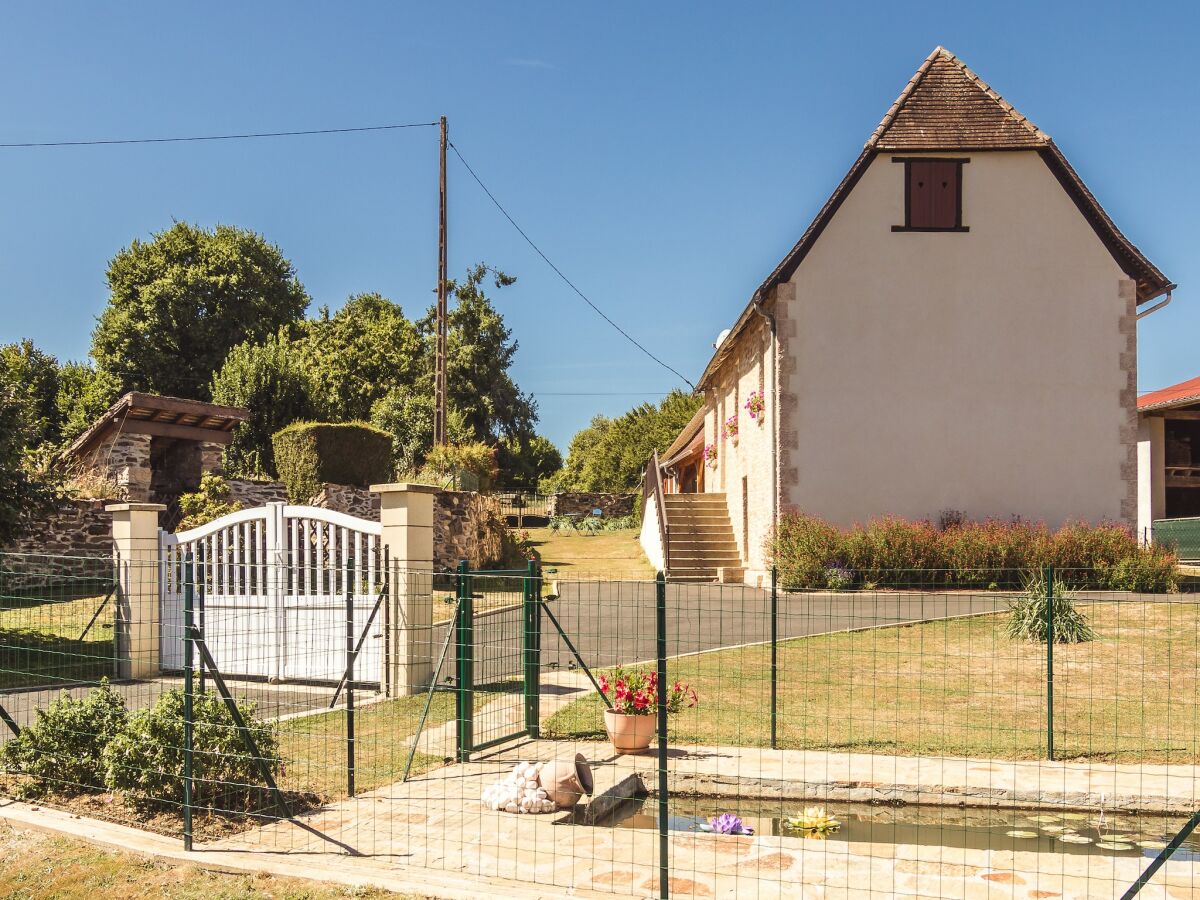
(309, 454)
(890, 552)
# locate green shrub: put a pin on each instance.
(892, 552)
(309, 454)
(144, 761)
(207, 504)
(62, 749)
(464, 467)
(801, 547)
(1027, 615)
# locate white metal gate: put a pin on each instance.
(270, 593)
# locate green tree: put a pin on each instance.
(180, 302)
(84, 392)
(525, 463)
(22, 493)
(273, 382)
(407, 415)
(611, 454)
(30, 378)
(359, 354)
(479, 353)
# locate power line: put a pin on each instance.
(215, 137)
(559, 272)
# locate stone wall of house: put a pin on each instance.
(583, 502)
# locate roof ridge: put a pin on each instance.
(941, 52)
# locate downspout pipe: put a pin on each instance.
(759, 308)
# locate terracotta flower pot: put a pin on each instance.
(629, 734)
(565, 780)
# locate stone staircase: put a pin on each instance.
(702, 545)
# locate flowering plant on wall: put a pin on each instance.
(730, 429)
(710, 455)
(756, 404)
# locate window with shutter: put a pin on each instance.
(932, 194)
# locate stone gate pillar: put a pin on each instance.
(406, 514)
(136, 554)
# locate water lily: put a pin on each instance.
(814, 820)
(728, 823)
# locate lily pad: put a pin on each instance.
(1022, 834)
(1074, 839)
(1153, 845)
(1114, 845)
(1044, 818)
(1054, 829)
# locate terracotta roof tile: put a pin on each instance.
(1183, 394)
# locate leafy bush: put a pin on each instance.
(1027, 615)
(62, 749)
(470, 466)
(838, 578)
(897, 553)
(275, 386)
(309, 454)
(207, 504)
(144, 761)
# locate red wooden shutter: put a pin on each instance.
(933, 193)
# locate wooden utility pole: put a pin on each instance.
(439, 371)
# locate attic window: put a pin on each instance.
(932, 194)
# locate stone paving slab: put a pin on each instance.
(435, 821)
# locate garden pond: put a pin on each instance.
(1043, 831)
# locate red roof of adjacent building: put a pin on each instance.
(1182, 394)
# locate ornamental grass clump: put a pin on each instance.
(1027, 614)
(634, 692)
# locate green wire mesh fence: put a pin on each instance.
(920, 734)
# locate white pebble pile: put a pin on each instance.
(519, 792)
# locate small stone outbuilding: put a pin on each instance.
(152, 449)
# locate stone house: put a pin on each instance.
(956, 329)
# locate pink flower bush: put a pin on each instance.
(730, 428)
(634, 692)
(710, 455)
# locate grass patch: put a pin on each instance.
(39, 641)
(314, 747)
(35, 866)
(957, 687)
(612, 555)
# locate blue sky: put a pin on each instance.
(664, 155)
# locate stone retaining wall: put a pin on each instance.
(466, 525)
(583, 502)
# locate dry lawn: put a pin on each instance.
(39, 641)
(956, 688)
(34, 866)
(611, 555)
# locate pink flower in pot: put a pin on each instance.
(632, 718)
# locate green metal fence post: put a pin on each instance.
(351, 653)
(660, 631)
(188, 663)
(533, 642)
(464, 697)
(774, 660)
(1049, 575)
